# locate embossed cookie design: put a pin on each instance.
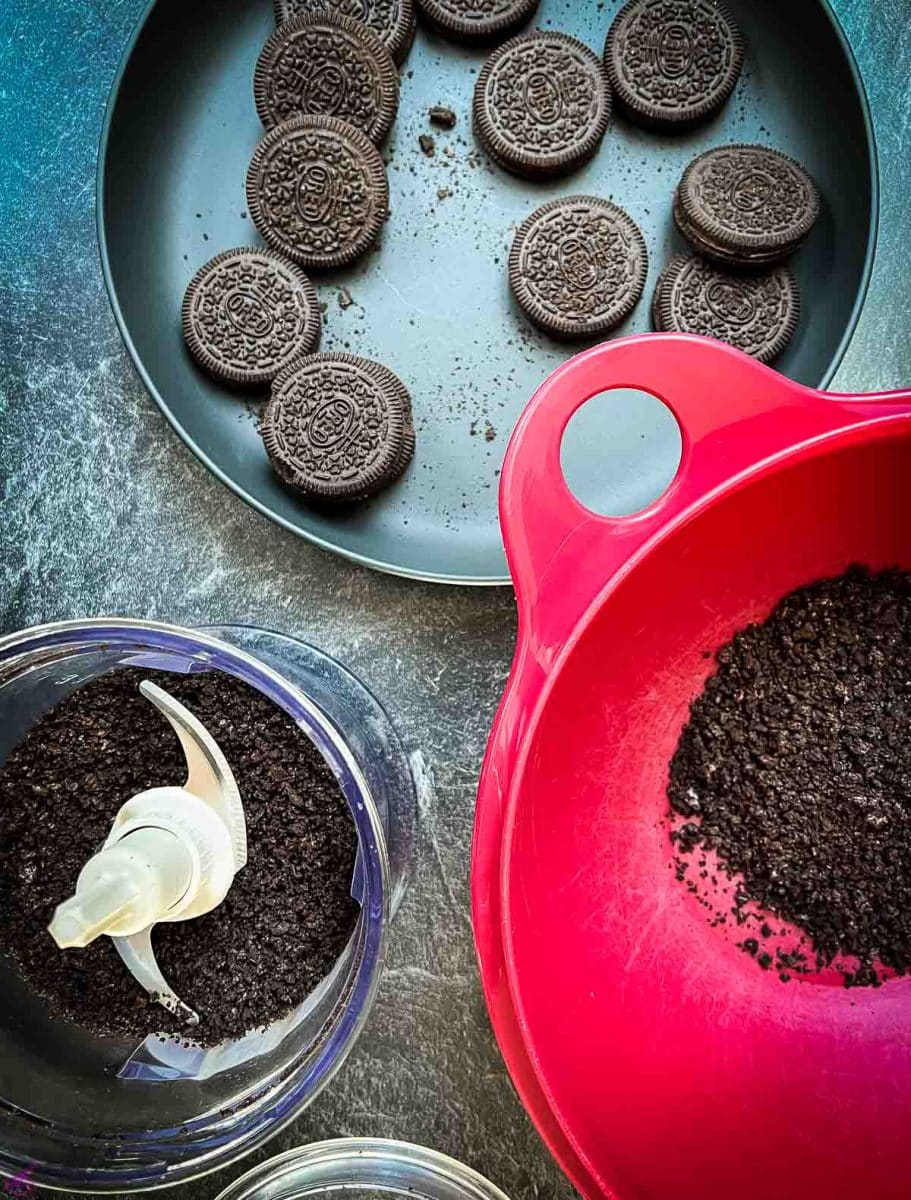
(578, 266)
(746, 205)
(673, 63)
(477, 20)
(317, 191)
(323, 64)
(756, 312)
(393, 21)
(338, 428)
(247, 313)
(542, 104)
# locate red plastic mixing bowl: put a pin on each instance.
(657, 1060)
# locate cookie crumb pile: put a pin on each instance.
(289, 913)
(792, 782)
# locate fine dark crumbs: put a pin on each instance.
(289, 913)
(794, 769)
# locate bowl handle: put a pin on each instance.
(733, 413)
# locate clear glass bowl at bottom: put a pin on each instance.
(364, 1168)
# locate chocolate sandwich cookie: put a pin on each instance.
(247, 313)
(317, 191)
(745, 205)
(323, 64)
(756, 312)
(655, 309)
(477, 20)
(673, 63)
(338, 428)
(542, 104)
(393, 21)
(577, 266)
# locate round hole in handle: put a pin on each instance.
(620, 451)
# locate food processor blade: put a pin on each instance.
(139, 958)
(172, 854)
(208, 775)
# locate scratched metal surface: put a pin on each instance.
(104, 511)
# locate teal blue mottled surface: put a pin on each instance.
(104, 511)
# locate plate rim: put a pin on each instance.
(364, 560)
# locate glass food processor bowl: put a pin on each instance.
(100, 1114)
(365, 1169)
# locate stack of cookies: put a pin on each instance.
(744, 209)
(326, 88)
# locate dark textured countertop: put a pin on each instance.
(105, 512)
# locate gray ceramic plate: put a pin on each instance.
(432, 301)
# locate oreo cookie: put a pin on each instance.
(745, 205)
(577, 266)
(323, 64)
(655, 308)
(756, 312)
(338, 428)
(317, 191)
(542, 104)
(393, 21)
(673, 63)
(477, 20)
(247, 313)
